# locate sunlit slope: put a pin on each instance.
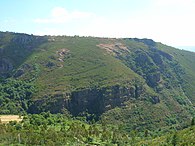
(65, 64)
(187, 60)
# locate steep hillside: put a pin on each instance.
(15, 49)
(136, 83)
(181, 137)
(187, 61)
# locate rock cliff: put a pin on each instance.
(94, 101)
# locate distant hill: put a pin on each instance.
(137, 83)
(189, 48)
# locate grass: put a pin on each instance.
(86, 66)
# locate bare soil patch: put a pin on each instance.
(114, 48)
(8, 118)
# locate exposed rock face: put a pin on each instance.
(25, 39)
(22, 39)
(50, 64)
(153, 79)
(155, 100)
(115, 48)
(19, 73)
(30, 42)
(5, 66)
(142, 59)
(166, 55)
(98, 100)
(148, 42)
(31, 69)
(63, 54)
(157, 59)
(1, 51)
(94, 101)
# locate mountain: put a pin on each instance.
(136, 83)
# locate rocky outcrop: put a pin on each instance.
(22, 39)
(148, 42)
(153, 79)
(115, 49)
(155, 99)
(26, 39)
(156, 58)
(99, 100)
(166, 55)
(19, 73)
(50, 64)
(142, 59)
(29, 69)
(94, 101)
(29, 42)
(1, 51)
(5, 66)
(63, 54)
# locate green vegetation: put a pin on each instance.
(124, 86)
(48, 129)
(58, 129)
(186, 61)
(175, 138)
(14, 96)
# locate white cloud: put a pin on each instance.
(172, 30)
(59, 12)
(168, 21)
(61, 15)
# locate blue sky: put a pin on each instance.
(168, 21)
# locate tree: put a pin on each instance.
(193, 121)
(146, 133)
(174, 139)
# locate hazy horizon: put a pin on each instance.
(188, 48)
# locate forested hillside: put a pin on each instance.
(137, 84)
